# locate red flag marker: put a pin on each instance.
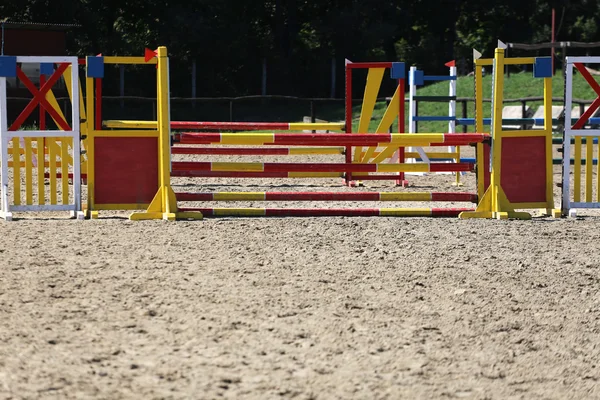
(149, 54)
(451, 63)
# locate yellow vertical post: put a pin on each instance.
(90, 141)
(481, 165)
(589, 163)
(41, 170)
(548, 145)
(64, 169)
(52, 169)
(577, 170)
(28, 173)
(164, 204)
(498, 99)
(169, 208)
(17, 171)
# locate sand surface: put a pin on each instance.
(313, 308)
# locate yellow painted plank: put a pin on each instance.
(54, 103)
(52, 169)
(16, 171)
(374, 78)
(589, 164)
(226, 166)
(41, 169)
(402, 168)
(127, 124)
(129, 60)
(64, 179)
(417, 139)
(28, 172)
(240, 196)
(519, 61)
(391, 113)
(483, 62)
(385, 154)
(316, 150)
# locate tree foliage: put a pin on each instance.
(298, 39)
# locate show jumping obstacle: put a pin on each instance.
(128, 164)
(575, 136)
(520, 173)
(37, 155)
(364, 156)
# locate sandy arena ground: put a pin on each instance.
(313, 308)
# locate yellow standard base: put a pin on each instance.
(556, 213)
(164, 206)
(502, 210)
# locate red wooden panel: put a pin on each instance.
(523, 176)
(126, 170)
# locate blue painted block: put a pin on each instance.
(417, 77)
(8, 66)
(46, 69)
(95, 67)
(542, 68)
(398, 70)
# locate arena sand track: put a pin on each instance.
(328, 308)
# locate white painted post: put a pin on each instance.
(566, 190)
(412, 104)
(76, 130)
(4, 150)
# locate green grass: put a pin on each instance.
(519, 85)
